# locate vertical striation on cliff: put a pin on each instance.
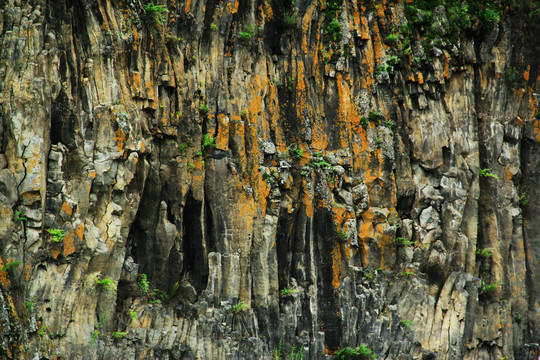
(251, 179)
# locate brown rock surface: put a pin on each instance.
(351, 172)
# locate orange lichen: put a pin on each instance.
(526, 73)
(67, 208)
(536, 129)
(4, 275)
(222, 139)
(69, 244)
(336, 267)
(120, 137)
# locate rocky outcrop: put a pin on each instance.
(241, 179)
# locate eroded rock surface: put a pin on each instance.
(227, 179)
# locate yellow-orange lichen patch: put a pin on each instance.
(508, 174)
(188, 6)
(222, 139)
(336, 266)
(67, 208)
(233, 9)
(3, 274)
(135, 83)
(69, 244)
(306, 21)
(526, 73)
(120, 137)
(536, 129)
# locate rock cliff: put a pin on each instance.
(266, 179)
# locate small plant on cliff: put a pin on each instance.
(511, 74)
(10, 265)
(247, 33)
(524, 199)
(208, 141)
(213, 27)
(288, 291)
(401, 241)
(203, 107)
(486, 288)
(119, 334)
(277, 351)
(289, 20)
(375, 117)
(487, 173)
(106, 283)
(94, 337)
(406, 323)
(19, 217)
(270, 177)
(343, 235)
(240, 307)
(56, 235)
(485, 253)
(155, 12)
(407, 273)
(133, 314)
(361, 353)
(143, 283)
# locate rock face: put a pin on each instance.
(253, 179)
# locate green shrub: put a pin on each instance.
(359, 353)
(213, 27)
(289, 19)
(247, 33)
(511, 74)
(10, 265)
(406, 323)
(155, 12)
(342, 234)
(401, 241)
(524, 199)
(119, 334)
(208, 141)
(203, 107)
(240, 307)
(19, 217)
(288, 291)
(485, 253)
(487, 288)
(133, 314)
(106, 283)
(143, 283)
(487, 173)
(56, 235)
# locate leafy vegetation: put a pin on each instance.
(247, 34)
(119, 334)
(56, 235)
(361, 352)
(208, 142)
(487, 173)
(288, 291)
(155, 12)
(524, 199)
(485, 253)
(296, 353)
(10, 265)
(107, 283)
(401, 241)
(19, 217)
(240, 307)
(487, 288)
